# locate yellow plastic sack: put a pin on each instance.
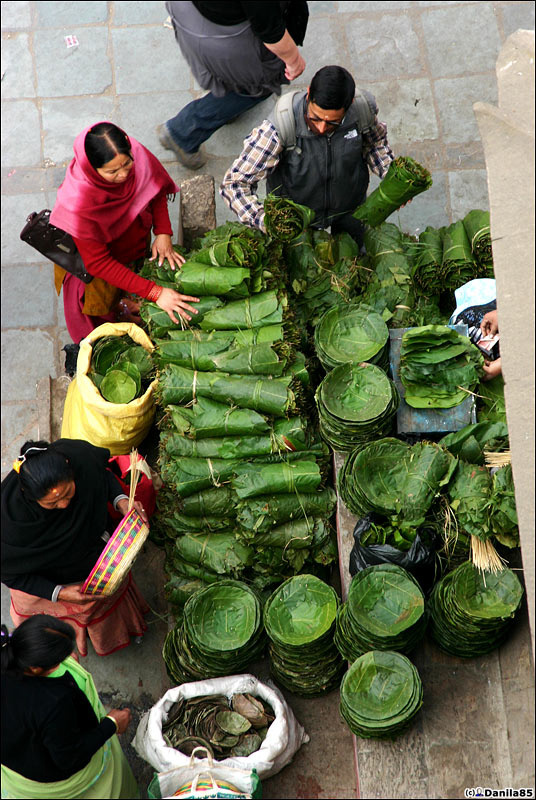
(87, 415)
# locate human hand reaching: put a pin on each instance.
(122, 716)
(490, 323)
(163, 248)
(173, 302)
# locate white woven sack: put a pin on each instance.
(284, 738)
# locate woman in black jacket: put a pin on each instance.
(57, 740)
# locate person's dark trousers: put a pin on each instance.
(197, 121)
(348, 224)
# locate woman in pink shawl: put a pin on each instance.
(114, 192)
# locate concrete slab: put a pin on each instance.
(140, 115)
(64, 71)
(56, 14)
(407, 107)
(19, 180)
(468, 189)
(36, 285)
(455, 98)
(15, 209)
(63, 119)
(20, 424)
(163, 65)
(451, 32)
(515, 16)
(354, 7)
(21, 143)
(23, 357)
(16, 15)
(325, 45)
(383, 47)
(138, 13)
(17, 67)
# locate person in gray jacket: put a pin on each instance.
(316, 148)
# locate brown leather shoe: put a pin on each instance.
(190, 160)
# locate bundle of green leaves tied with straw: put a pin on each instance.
(405, 179)
(284, 219)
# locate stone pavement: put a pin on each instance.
(426, 63)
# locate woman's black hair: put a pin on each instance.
(42, 469)
(332, 88)
(40, 641)
(104, 142)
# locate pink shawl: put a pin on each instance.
(89, 207)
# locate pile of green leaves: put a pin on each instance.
(384, 611)
(472, 613)
(220, 634)
(352, 333)
(380, 695)
(120, 368)
(356, 404)
(477, 228)
(438, 366)
(299, 618)
(503, 513)
(405, 179)
(395, 480)
(324, 271)
(226, 728)
(285, 220)
(471, 443)
(491, 406)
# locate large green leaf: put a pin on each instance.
(350, 333)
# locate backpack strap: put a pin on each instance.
(366, 110)
(284, 121)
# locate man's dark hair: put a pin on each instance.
(104, 142)
(40, 641)
(332, 88)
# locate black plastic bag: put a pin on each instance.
(419, 560)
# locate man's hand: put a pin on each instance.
(163, 248)
(492, 369)
(490, 324)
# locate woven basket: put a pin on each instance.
(116, 559)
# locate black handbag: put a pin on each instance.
(55, 244)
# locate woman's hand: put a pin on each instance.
(163, 248)
(492, 369)
(490, 324)
(122, 507)
(122, 716)
(171, 301)
(74, 594)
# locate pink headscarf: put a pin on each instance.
(89, 207)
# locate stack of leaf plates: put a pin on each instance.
(471, 612)
(300, 621)
(380, 695)
(221, 633)
(384, 611)
(356, 405)
(352, 333)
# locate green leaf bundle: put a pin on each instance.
(405, 179)
(284, 219)
(206, 418)
(261, 514)
(252, 480)
(257, 311)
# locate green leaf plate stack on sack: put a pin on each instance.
(120, 368)
(221, 633)
(384, 611)
(284, 219)
(392, 478)
(299, 618)
(352, 333)
(356, 404)
(439, 367)
(472, 613)
(380, 695)
(405, 179)
(227, 728)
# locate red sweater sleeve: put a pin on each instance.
(100, 263)
(107, 261)
(159, 210)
